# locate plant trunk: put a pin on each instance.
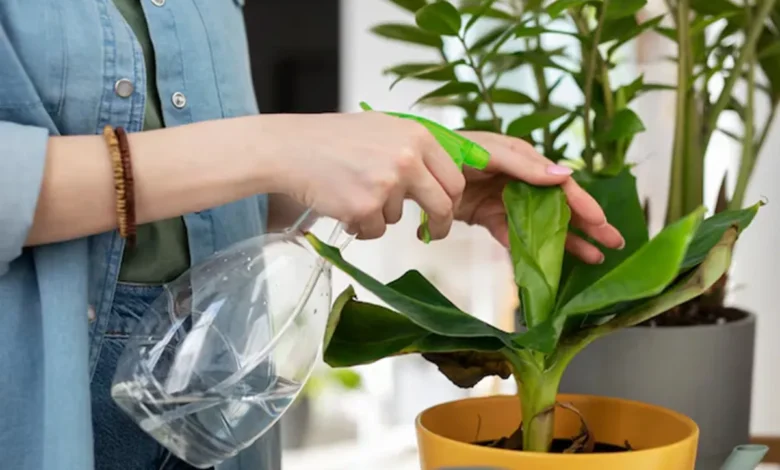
(537, 400)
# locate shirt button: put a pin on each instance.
(124, 87)
(158, 3)
(91, 316)
(179, 100)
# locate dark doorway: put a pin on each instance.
(294, 48)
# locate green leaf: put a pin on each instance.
(477, 12)
(524, 31)
(694, 284)
(424, 71)
(559, 6)
(523, 126)
(619, 199)
(507, 96)
(538, 223)
(622, 8)
(627, 31)
(364, 333)
(624, 125)
(472, 124)
(450, 89)
(712, 230)
(410, 5)
(487, 39)
(407, 33)
(416, 299)
(644, 274)
(440, 17)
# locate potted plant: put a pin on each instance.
(567, 305)
(484, 46)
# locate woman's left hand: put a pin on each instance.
(513, 158)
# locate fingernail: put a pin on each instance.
(559, 170)
(601, 259)
(622, 244)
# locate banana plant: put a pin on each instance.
(567, 304)
(722, 47)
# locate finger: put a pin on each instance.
(605, 233)
(394, 207)
(583, 205)
(498, 228)
(583, 250)
(446, 172)
(432, 198)
(373, 226)
(520, 160)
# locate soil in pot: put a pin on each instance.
(559, 446)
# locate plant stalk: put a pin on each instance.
(686, 188)
(537, 388)
(753, 32)
(590, 76)
(747, 162)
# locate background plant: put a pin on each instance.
(720, 45)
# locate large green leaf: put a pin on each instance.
(619, 198)
(416, 299)
(363, 333)
(538, 223)
(712, 230)
(477, 12)
(690, 286)
(644, 274)
(407, 33)
(440, 17)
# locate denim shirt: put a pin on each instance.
(60, 63)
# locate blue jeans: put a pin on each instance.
(120, 444)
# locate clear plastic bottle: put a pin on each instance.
(222, 353)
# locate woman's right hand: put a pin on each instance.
(359, 168)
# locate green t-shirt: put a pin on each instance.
(161, 253)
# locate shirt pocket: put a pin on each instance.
(33, 56)
(226, 35)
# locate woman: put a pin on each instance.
(176, 75)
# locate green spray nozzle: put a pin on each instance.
(462, 151)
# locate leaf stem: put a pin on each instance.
(590, 76)
(484, 90)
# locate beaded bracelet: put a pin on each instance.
(127, 176)
(119, 180)
(119, 150)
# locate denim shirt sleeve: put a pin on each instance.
(22, 162)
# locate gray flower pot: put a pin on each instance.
(704, 372)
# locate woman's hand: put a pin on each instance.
(513, 158)
(359, 168)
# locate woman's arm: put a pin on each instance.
(176, 171)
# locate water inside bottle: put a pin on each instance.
(206, 428)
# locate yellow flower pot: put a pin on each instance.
(662, 439)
